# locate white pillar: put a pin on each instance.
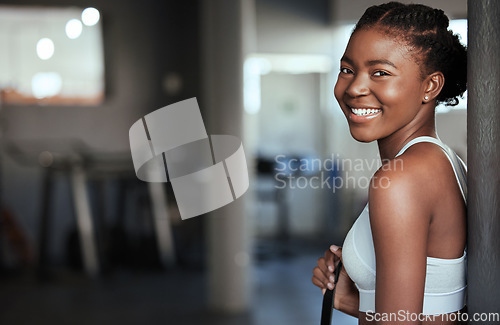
(227, 30)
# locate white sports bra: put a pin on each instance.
(445, 281)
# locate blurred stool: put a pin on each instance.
(79, 164)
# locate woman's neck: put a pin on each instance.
(389, 146)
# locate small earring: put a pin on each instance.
(426, 98)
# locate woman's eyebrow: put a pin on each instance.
(371, 62)
(346, 59)
(375, 62)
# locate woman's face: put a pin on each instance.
(379, 86)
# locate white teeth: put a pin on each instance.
(364, 111)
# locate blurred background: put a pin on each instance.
(83, 241)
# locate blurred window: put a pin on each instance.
(51, 56)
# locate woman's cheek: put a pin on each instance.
(396, 91)
(337, 91)
(391, 95)
(340, 89)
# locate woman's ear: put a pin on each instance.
(434, 84)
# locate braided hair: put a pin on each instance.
(426, 30)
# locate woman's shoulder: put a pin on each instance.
(417, 196)
(422, 165)
(414, 178)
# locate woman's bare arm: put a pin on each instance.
(399, 217)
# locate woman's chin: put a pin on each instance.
(362, 136)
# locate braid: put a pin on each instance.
(426, 29)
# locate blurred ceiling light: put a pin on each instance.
(251, 85)
(46, 84)
(260, 64)
(265, 65)
(73, 28)
(45, 48)
(90, 16)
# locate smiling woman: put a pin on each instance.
(405, 254)
(382, 85)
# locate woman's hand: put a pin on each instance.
(346, 294)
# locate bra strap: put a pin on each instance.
(459, 167)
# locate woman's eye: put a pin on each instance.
(380, 73)
(345, 70)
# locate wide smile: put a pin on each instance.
(363, 114)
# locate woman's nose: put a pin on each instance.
(358, 86)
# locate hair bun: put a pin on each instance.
(441, 19)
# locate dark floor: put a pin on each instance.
(283, 294)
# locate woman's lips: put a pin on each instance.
(363, 114)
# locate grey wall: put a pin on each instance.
(282, 29)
